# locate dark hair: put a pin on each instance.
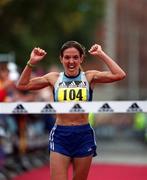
(70, 44)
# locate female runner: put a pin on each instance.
(72, 138)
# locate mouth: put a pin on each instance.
(71, 67)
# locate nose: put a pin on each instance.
(71, 60)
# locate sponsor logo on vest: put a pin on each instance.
(48, 109)
(77, 108)
(105, 108)
(134, 108)
(19, 109)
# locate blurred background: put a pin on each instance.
(119, 26)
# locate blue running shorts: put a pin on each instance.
(73, 141)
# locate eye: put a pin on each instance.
(66, 57)
(76, 57)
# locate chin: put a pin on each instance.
(72, 72)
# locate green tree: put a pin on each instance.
(46, 23)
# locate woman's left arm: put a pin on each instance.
(115, 73)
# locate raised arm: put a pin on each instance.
(115, 73)
(25, 82)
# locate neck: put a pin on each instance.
(72, 75)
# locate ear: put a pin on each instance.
(61, 60)
(82, 59)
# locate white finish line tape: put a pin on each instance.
(73, 107)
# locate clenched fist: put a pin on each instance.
(95, 50)
(37, 55)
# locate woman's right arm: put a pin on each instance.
(25, 82)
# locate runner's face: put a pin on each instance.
(71, 61)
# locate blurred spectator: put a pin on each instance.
(140, 125)
(35, 126)
(13, 72)
(91, 118)
(7, 86)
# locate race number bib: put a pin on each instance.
(72, 94)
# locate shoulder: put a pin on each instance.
(90, 74)
(52, 77)
(52, 74)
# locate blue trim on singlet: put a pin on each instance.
(55, 95)
(90, 94)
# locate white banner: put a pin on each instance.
(73, 107)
